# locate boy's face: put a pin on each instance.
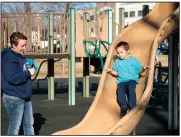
(20, 48)
(122, 53)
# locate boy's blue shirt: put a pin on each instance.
(127, 69)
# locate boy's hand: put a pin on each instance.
(147, 67)
(107, 70)
(110, 71)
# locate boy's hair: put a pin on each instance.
(15, 36)
(124, 44)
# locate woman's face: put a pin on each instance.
(20, 48)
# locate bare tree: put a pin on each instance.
(67, 7)
(12, 7)
(27, 7)
(43, 6)
(53, 6)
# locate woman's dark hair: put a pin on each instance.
(123, 44)
(15, 36)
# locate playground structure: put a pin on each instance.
(53, 35)
(144, 36)
(104, 107)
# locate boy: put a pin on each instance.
(127, 70)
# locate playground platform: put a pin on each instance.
(52, 116)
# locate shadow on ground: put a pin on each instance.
(39, 120)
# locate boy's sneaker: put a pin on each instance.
(123, 111)
(130, 106)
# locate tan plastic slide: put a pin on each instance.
(103, 117)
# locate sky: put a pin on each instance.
(42, 6)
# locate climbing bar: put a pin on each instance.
(96, 50)
(102, 43)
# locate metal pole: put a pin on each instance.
(72, 51)
(121, 17)
(145, 10)
(86, 64)
(173, 83)
(51, 88)
(110, 22)
(86, 61)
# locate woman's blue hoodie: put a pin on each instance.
(15, 76)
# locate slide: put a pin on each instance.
(144, 36)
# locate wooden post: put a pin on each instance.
(2, 33)
(29, 32)
(6, 33)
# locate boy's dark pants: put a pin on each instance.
(126, 88)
